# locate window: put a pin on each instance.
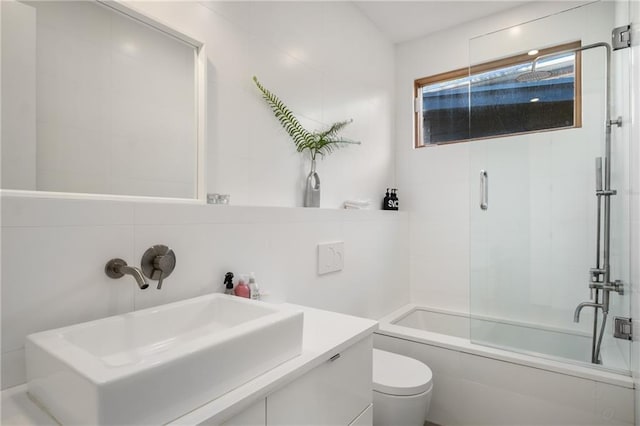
(500, 98)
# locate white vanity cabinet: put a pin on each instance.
(334, 393)
(337, 392)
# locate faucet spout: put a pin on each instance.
(118, 268)
(576, 314)
(137, 274)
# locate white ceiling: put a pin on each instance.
(407, 20)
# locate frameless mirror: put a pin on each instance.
(97, 98)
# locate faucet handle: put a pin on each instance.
(160, 278)
(158, 262)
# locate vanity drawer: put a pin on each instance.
(334, 393)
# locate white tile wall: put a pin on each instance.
(54, 252)
(539, 239)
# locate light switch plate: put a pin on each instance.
(330, 257)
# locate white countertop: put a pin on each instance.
(325, 334)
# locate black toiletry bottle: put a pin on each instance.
(228, 281)
(385, 202)
(393, 199)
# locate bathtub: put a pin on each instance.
(476, 384)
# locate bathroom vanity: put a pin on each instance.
(328, 383)
(337, 392)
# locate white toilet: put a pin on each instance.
(401, 390)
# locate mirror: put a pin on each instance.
(98, 98)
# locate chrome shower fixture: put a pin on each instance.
(600, 275)
(533, 75)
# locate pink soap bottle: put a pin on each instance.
(242, 289)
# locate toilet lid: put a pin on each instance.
(395, 374)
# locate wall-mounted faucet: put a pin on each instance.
(118, 268)
(158, 262)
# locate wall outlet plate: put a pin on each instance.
(330, 257)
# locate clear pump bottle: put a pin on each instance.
(253, 287)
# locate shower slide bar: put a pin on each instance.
(601, 274)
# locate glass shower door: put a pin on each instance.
(533, 215)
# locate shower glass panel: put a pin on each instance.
(533, 198)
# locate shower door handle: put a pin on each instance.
(484, 190)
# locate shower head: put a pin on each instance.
(533, 76)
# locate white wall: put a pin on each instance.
(54, 252)
(543, 242)
(328, 63)
(436, 180)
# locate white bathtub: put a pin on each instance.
(475, 384)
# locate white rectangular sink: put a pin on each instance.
(155, 365)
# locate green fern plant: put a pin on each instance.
(317, 142)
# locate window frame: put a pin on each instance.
(522, 58)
